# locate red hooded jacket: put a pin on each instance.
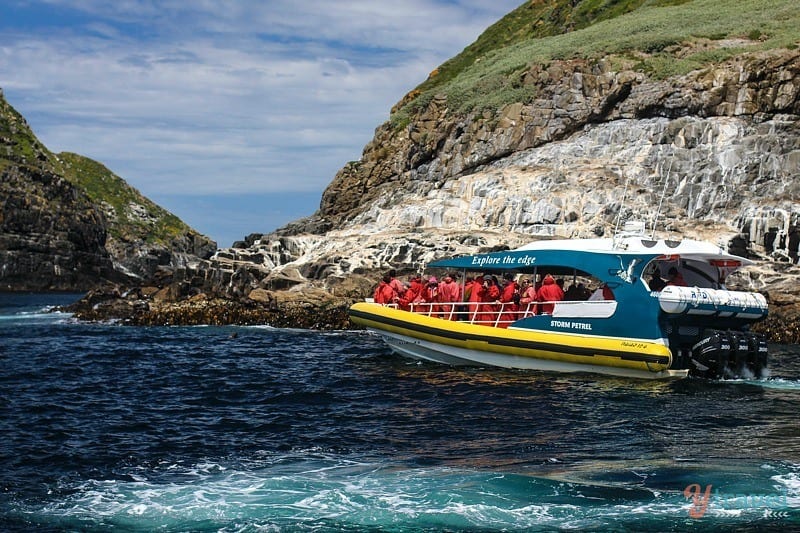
(549, 292)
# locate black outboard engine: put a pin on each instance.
(740, 346)
(729, 354)
(710, 355)
(758, 354)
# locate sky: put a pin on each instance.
(233, 115)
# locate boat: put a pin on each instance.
(701, 329)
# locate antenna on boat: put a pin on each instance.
(660, 202)
(619, 213)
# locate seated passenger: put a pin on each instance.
(603, 292)
(573, 294)
(656, 282)
(676, 278)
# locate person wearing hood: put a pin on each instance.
(509, 300)
(449, 291)
(430, 295)
(490, 297)
(475, 294)
(413, 293)
(548, 294)
(396, 284)
(385, 293)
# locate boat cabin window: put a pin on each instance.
(682, 272)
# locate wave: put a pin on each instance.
(39, 314)
(335, 495)
(768, 383)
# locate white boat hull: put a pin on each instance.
(420, 349)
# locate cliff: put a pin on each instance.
(702, 131)
(561, 119)
(68, 223)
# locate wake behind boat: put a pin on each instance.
(632, 326)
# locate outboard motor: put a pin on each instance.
(757, 355)
(709, 356)
(729, 354)
(740, 348)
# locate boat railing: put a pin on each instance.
(504, 313)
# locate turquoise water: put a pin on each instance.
(108, 427)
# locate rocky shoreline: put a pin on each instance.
(281, 310)
(313, 310)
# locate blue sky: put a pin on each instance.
(234, 115)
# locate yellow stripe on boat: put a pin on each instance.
(565, 347)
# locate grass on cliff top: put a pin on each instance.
(156, 225)
(644, 35)
(17, 141)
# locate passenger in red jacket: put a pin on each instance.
(549, 293)
(676, 278)
(396, 284)
(527, 300)
(449, 291)
(475, 295)
(509, 299)
(384, 293)
(488, 314)
(412, 292)
(429, 298)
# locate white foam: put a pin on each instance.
(370, 495)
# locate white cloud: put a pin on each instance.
(221, 97)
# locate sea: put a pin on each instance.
(106, 427)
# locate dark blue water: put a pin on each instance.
(107, 427)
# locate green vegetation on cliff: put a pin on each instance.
(18, 144)
(132, 217)
(662, 38)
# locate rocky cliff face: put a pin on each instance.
(712, 155)
(142, 236)
(579, 103)
(51, 235)
(59, 231)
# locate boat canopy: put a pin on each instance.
(528, 260)
(593, 254)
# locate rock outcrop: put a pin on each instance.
(749, 100)
(68, 223)
(142, 236)
(51, 235)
